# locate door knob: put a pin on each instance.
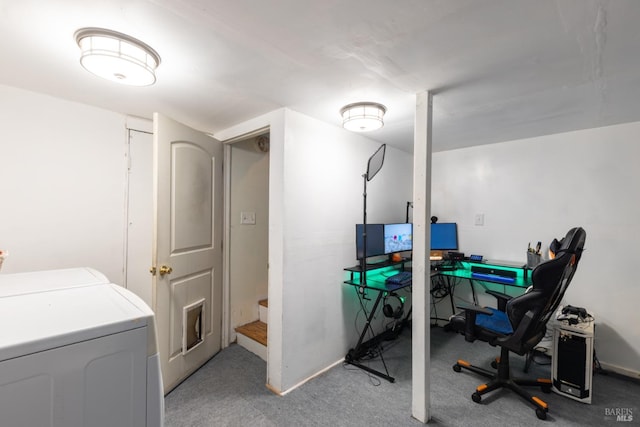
(165, 270)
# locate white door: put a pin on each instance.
(187, 247)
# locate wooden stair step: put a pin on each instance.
(257, 331)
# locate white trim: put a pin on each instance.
(226, 250)
(244, 136)
(282, 393)
(125, 232)
(621, 370)
(242, 130)
(139, 124)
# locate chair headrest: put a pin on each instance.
(573, 242)
(546, 274)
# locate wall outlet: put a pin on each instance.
(248, 218)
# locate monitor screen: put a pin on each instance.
(398, 237)
(444, 236)
(375, 240)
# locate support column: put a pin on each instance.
(421, 280)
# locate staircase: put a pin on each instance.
(253, 336)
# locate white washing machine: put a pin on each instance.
(76, 351)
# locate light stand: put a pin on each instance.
(363, 261)
(373, 167)
(362, 348)
(409, 205)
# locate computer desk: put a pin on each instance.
(376, 275)
(376, 285)
(464, 270)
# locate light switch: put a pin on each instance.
(479, 219)
(248, 218)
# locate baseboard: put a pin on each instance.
(620, 370)
(282, 393)
(273, 390)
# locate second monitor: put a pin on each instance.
(398, 237)
(383, 239)
(444, 236)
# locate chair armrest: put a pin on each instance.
(470, 312)
(502, 299)
(473, 308)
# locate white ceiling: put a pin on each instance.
(500, 70)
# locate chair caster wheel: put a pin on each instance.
(476, 397)
(457, 368)
(541, 414)
(494, 364)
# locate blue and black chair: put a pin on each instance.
(519, 323)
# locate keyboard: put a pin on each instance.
(402, 278)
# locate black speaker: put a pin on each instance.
(491, 270)
(387, 308)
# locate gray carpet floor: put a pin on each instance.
(230, 391)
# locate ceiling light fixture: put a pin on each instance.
(117, 57)
(363, 116)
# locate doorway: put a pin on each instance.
(248, 238)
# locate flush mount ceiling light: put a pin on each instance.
(363, 116)
(117, 57)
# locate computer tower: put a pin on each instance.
(572, 361)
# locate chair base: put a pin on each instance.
(503, 379)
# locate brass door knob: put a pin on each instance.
(165, 270)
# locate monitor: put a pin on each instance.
(444, 236)
(398, 237)
(375, 240)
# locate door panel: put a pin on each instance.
(187, 247)
(192, 179)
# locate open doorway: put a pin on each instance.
(248, 249)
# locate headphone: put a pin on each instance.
(387, 308)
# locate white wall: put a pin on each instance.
(63, 178)
(537, 189)
(248, 243)
(315, 200)
(323, 186)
